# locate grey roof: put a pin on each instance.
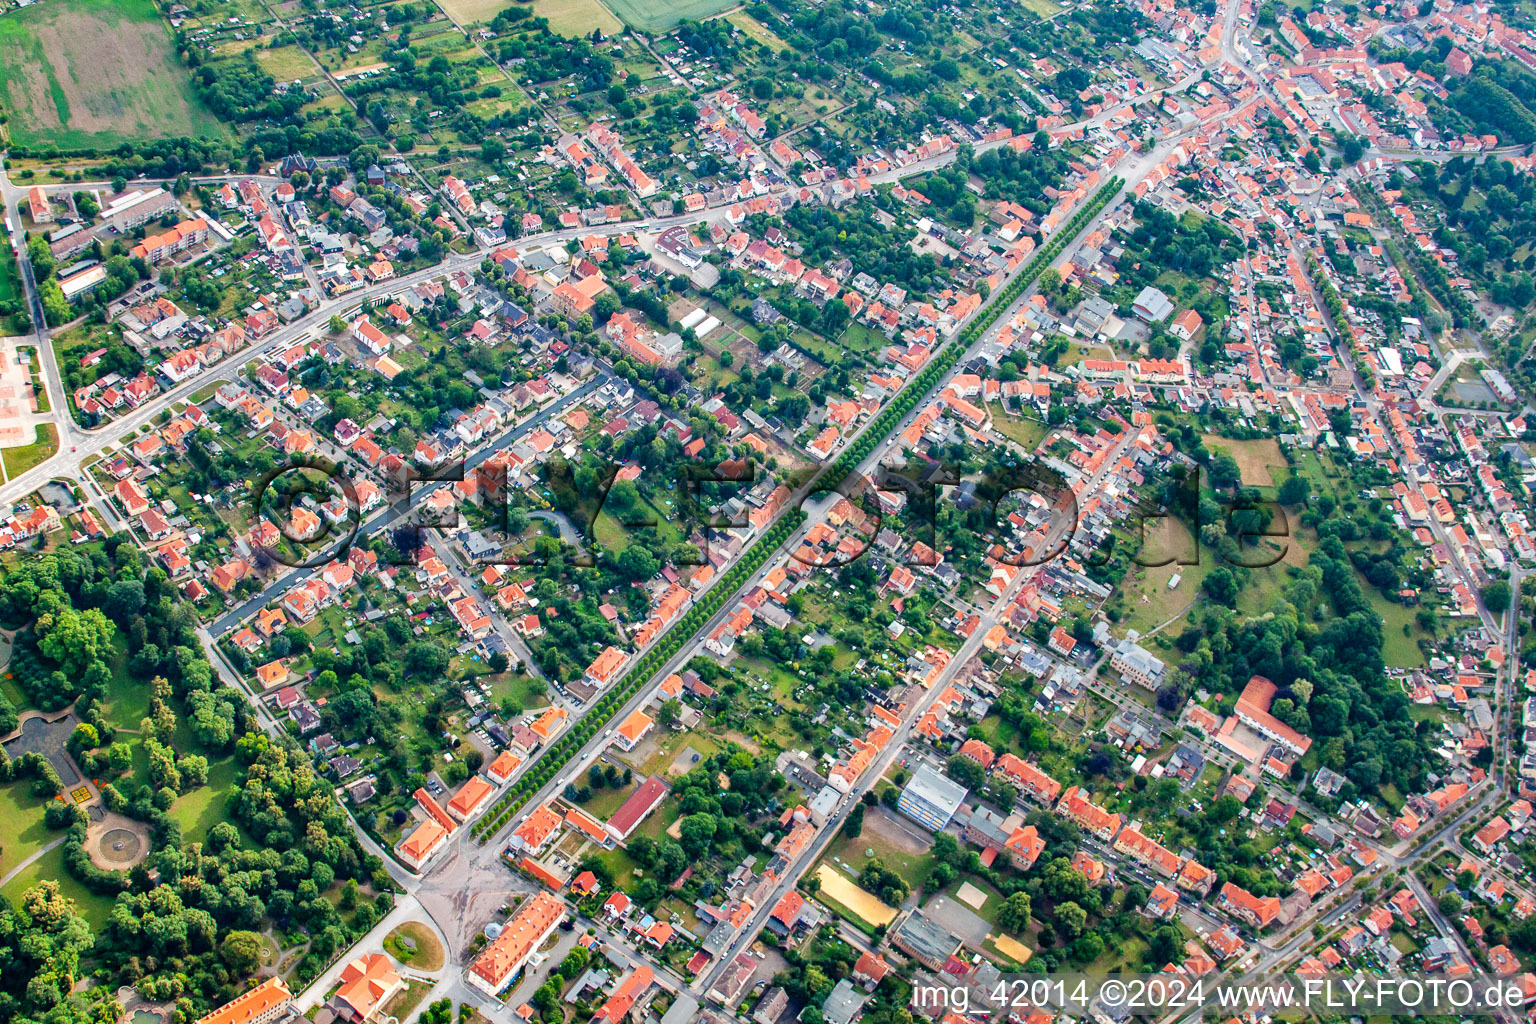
(936, 789)
(1140, 658)
(843, 1003)
(927, 937)
(682, 1010)
(1157, 305)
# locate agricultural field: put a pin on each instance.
(572, 17)
(469, 12)
(77, 74)
(661, 15)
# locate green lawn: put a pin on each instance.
(14, 693)
(1254, 457)
(405, 1002)
(605, 801)
(1144, 598)
(572, 18)
(428, 952)
(138, 774)
(673, 746)
(609, 530)
(10, 280)
(129, 699)
(286, 63)
(858, 338)
(999, 734)
(1396, 649)
(206, 806)
(25, 832)
(621, 866)
(50, 867)
(520, 688)
(870, 845)
(205, 392)
(1122, 956)
(1025, 432)
(757, 30)
(19, 460)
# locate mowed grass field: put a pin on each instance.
(663, 15)
(287, 63)
(1254, 458)
(572, 18)
(94, 908)
(84, 73)
(19, 460)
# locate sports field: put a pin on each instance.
(842, 891)
(657, 16)
(82, 73)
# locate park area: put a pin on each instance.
(80, 74)
(415, 945)
(1150, 595)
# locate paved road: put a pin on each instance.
(1058, 532)
(79, 444)
(458, 563)
(401, 511)
(448, 877)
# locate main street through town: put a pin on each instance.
(467, 885)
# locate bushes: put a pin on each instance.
(560, 754)
(904, 402)
(45, 780)
(565, 748)
(84, 870)
(59, 815)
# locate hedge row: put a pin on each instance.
(1430, 272)
(559, 755)
(909, 396)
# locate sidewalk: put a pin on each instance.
(406, 909)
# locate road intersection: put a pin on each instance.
(466, 886)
